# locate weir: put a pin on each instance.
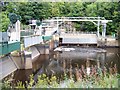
(80, 39)
(42, 41)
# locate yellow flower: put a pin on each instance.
(44, 75)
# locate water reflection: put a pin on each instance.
(63, 61)
(80, 59)
(21, 75)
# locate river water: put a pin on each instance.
(60, 61)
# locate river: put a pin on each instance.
(59, 61)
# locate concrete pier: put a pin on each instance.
(23, 60)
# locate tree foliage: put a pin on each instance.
(43, 10)
(5, 21)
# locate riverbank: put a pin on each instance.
(97, 78)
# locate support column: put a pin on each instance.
(27, 60)
(104, 30)
(51, 45)
(57, 24)
(98, 25)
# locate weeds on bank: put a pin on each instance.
(96, 78)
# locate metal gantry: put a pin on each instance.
(96, 20)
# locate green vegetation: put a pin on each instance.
(98, 78)
(43, 10)
(5, 21)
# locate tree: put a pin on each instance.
(44, 10)
(5, 21)
(34, 10)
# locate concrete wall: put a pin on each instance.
(7, 66)
(43, 49)
(79, 39)
(108, 42)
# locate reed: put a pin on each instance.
(97, 78)
(70, 70)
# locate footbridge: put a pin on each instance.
(19, 47)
